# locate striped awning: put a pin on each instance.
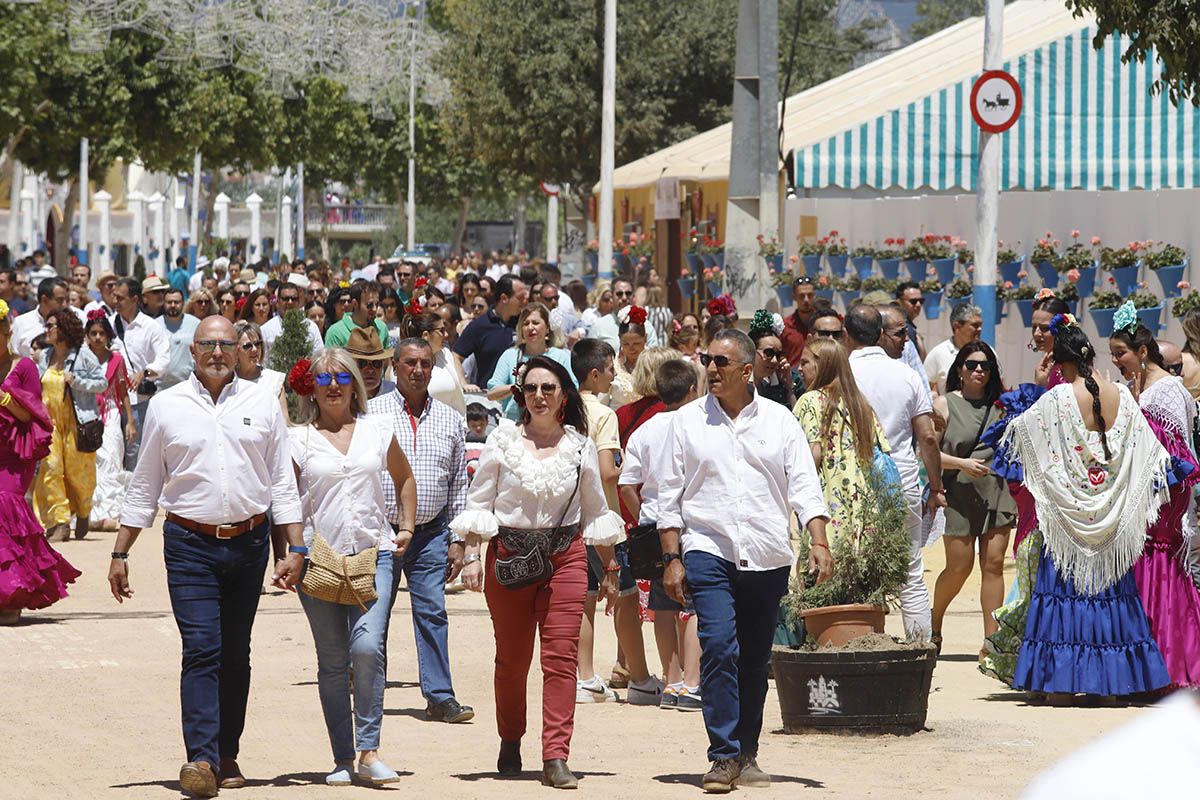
(1089, 122)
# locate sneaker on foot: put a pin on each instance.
(722, 777)
(342, 775)
(645, 693)
(593, 690)
(750, 775)
(688, 699)
(377, 773)
(669, 698)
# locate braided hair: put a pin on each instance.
(1072, 346)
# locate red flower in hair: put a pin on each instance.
(95, 314)
(722, 306)
(421, 282)
(414, 307)
(240, 304)
(300, 379)
(637, 315)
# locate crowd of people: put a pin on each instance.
(481, 424)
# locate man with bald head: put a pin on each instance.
(1172, 356)
(215, 457)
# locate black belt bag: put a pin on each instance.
(523, 555)
(645, 552)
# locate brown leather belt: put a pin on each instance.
(229, 531)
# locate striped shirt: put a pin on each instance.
(434, 442)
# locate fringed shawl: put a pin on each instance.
(1092, 511)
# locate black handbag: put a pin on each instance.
(531, 550)
(89, 436)
(645, 552)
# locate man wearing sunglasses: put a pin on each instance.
(828, 324)
(741, 467)
(607, 327)
(489, 335)
(1172, 357)
(912, 300)
(797, 325)
(361, 313)
(217, 457)
(8, 291)
(288, 299)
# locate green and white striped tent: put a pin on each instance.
(1088, 122)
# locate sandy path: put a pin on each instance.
(91, 710)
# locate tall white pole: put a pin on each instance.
(221, 209)
(988, 187)
(137, 204)
(84, 193)
(176, 207)
(27, 241)
(410, 201)
(156, 226)
(103, 201)
(254, 245)
(195, 209)
(300, 209)
(552, 229)
(608, 124)
(283, 242)
(14, 207)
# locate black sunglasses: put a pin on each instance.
(829, 334)
(546, 389)
(770, 353)
(977, 366)
(721, 361)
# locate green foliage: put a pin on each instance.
(1145, 300)
(1186, 303)
(1105, 300)
(937, 15)
(959, 288)
(290, 346)
(1166, 255)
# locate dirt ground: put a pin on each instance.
(91, 711)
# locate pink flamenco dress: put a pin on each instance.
(32, 574)
(1169, 596)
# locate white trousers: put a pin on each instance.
(914, 595)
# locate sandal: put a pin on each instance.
(935, 639)
(620, 678)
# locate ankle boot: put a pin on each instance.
(508, 763)
(556, 773)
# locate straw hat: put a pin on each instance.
(154, 284)
(364, 344)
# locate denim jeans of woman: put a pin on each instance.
(351, 641)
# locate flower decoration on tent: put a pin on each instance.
(300, 379)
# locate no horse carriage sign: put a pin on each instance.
(995, 101)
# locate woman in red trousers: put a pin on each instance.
(537, 497)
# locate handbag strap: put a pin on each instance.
(350, 583)
(575, 491)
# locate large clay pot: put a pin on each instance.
(837, 625)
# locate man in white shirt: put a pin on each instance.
(106, 283)
(147, 349)
(217, 458)
(895, 342)
(739, 465)
(905, 413)
(966, 324)
(51, 296)
(288, 298)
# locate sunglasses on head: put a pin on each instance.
(977, 366)
(546, 389)
(721, 361)
(803, 280)
(326, 378)
(829, 334)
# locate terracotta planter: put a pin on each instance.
(837, 625)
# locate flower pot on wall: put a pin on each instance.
(1103, 317)
(1086, 285)
(916, 270)
(1151, 317)
(1126, 279)
(687, 287)
(1010, 271)
(1026, 309)
(933, 304)
(890, 267)
(1170, 277)
(812, 265)
(837, 264)
(944, 267)
(1048, 274)
(784, 293)
(863, 265)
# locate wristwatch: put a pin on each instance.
(669, 557)
(471, 559)
(296, 548)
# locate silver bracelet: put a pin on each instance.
(471, 559)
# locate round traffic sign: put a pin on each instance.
(549, 189)
(996, 101)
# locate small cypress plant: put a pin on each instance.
(290, 346)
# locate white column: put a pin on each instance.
(608, 121)
(284, 234)
(988, 199)
(28, 244)
(103, 201)
(552, 229)
(13, 239)
(254, 245)
(137, 207)
(221, 209)
(176, 212)
(195, 227)
(300, 210)
(159, 265)
(84, 194)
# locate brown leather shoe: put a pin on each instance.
(198, 779)
(555, 773)
(231, 774)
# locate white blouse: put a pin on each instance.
(514, 489)
(444, 384)
(342, 495)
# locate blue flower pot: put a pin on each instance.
(837, 264)
(849, 297)
(589, 281)
(933, 304)
(1126, 279)
(1103, 317)
(953, 302)
(1010, 272)
(624, 265)
(1026, 309)
(693, 261)
(708, 260)
(719, 259)
(944, 268)
(1048, 274)
(784, 293)
(687, 287)
(812, 265)
(863, 265)
(890, 267)
(594, 260)
(1150, 317)
(916, 270)
(775, 262)
(714, 288)
(1086, 285)
(825, 293)
(1170, 277)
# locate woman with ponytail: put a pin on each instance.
(1098, 476)
(1168, 594)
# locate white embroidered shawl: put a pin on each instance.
(1092, 512)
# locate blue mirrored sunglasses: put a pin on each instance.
(326, 378)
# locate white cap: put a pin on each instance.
(221, 263)
(202, 262)
(298, 279)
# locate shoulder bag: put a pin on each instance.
(523, 556)
(89, 436)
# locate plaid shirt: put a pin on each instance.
(434, 442)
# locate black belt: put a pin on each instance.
(550, 541)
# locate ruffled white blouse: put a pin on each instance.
(515, 489)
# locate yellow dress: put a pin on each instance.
(66, 478)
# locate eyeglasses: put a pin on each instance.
(721, 361)
(622, 294)
(977, 366)
(550, 298)
(915, 301)
(290, 298)
(478, 306)
(210, 345)
(829, 334)
(896, 333)
(546, 389)
(239, 295)
(770, 353)
(364, 363)
(1175, 369)
(347, 300)
(248, 346)
(326, 378)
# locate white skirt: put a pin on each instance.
(111, 477)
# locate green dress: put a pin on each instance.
(843, 479)
(974, 506)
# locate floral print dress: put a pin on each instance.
(846, 484)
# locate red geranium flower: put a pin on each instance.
(240, 304)
(637, 315)
(300, 379)
(421, 282)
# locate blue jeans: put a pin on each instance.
(351, 641)
(424, 566)
(736, 612)
(214, 586)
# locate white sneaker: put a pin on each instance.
(647, 693)
(593, 690)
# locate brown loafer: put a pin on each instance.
(556, 773)
(198, 779)
(231, 775)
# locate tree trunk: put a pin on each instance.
(62, 233)
(460, 225)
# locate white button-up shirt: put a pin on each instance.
(147, 344)
(733, 481)
(213, 463)
(647, 460)
(30, 325)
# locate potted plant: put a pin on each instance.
(1080, 260)
(1024, 296)
(863, 689)
(687, 280)
(913, 258)
(1068, 292)
(771, 252)
(1185, 303)
(692, 248)
(592, 251)
(712, 280)
(836, 254)
(1149, 306)
(782, 281)
(942, 254)
(1045, 260)
(863, 258)
(889, 258)
(1169, 263)
(888, 285)
(959, 291)
(810, 256)
(932, 290)
(848, 288)
(1010, 263)
(1122, 265)
(1103, 307)
(824, 287)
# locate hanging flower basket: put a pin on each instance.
(933, 304)
(1103, 317)
(687, 287)
(916, 270)
(890, 267)
(826, 293)
(1151, 317)
(707, 260)
(693, 261)
(1026, 309)
(944, 267)
(1086, 285)
(1010, 272)
(812, 265)
(863, 264)
(1126, 279)
(714, 288)
(837, 265)
(719, 259)
(784, 293)
(775, 262)
(1170, 277)
(1048, 273)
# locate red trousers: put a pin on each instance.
(556, 609)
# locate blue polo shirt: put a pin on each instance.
(486, 338)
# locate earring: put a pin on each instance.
(562, 412)
(1143, 365)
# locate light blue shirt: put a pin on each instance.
(179, 363)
